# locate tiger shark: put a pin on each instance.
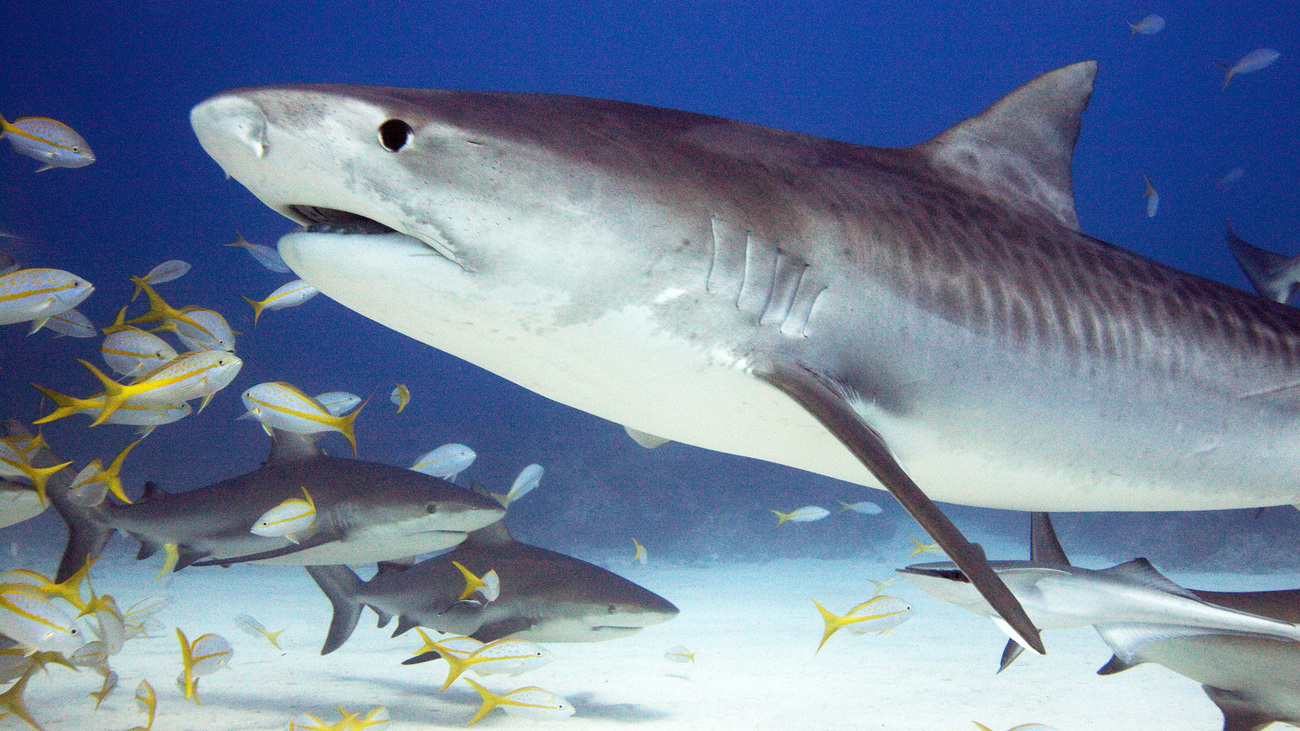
(927, 319)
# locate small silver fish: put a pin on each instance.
(445, 462)
(1149, 25)
(48, 141)
(264, 255)
(1153, 198)
(1253, 61)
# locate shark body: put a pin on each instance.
(927, 319)
(1243, 647)
(545, 596)
(364, 512)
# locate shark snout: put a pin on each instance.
(229, 127)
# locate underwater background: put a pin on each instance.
(881, 73)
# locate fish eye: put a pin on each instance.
(394, 134)
(612, 609)
(431, 508)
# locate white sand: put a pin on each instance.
(753, 627)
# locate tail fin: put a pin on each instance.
(64, 405)
(490, 700)
(341, 587)
(833, 624)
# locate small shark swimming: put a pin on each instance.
(1243, 647)
(365, 512)
(545, 596)
(928, 319)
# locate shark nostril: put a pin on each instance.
(394, 134)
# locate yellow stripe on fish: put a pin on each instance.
(132, 352)
(289, 295)
(288, 519)
(530, 702)
(506, 655)
(47, 140)
(197, 374)
(29, 617)
(37, 294)
(279, 405)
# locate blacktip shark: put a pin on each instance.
(1241, 646)
(365, 512)
(545, 596)
(928, 319)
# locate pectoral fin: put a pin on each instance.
(825, 401)
(319, 538)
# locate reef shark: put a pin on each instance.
(364, 512)
(545, 596)
(1243, 647)
(928, 319)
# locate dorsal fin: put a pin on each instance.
(1020, 149)
(1274, 276)
(152, 493)
(1140, 571)
(493, 535)
(1044, 545)
(290, 447)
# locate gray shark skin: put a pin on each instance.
(545, 596)
(364, 512)
(1241, 646)
(926, 319)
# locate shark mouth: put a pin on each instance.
(949, 573)
(320, 220)
(331, 220)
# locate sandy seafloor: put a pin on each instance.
(752, 626)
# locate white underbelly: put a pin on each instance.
(623, 368)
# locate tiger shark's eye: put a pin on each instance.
(394, 134)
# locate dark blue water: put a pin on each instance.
(873, 73)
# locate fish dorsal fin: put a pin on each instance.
(493, 535)
(1021, 148)
(1044, 545)
(1140, 571)
(290, 447)
(152, 493)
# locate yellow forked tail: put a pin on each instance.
(490, 700)
(65, 405)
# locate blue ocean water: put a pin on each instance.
(889, 74)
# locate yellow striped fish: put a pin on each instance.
(445, 462)
(288, 519)
(197, 374)
(530, 702)
(48, 141)
(880, 614)
(400, 396)
(30, 618)
(264, 255)
(14, 463)
(289, 295)
(506, 655)
(279, 405)
(39, 294)
(167, 271)
(147, 701)
(147, 416)
(133, 352)
(205, 656)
